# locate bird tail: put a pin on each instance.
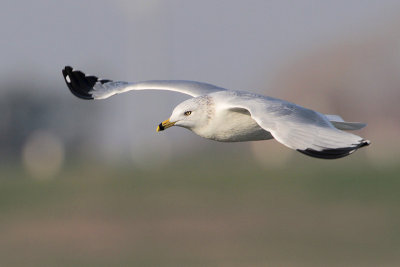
(340, 124)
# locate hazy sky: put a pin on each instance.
(230, 43)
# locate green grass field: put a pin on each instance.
(203, 212)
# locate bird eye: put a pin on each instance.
(187, 113)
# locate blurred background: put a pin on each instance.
(92, 183)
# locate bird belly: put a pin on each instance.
(234, 126)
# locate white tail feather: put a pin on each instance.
(340, 124)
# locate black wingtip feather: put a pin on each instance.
(78, 83)
(334, 153)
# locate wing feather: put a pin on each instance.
(296, 127)
(91, 87)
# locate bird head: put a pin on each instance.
(191, 114)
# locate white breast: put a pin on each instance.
(233, 126)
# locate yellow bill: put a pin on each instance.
(164, 125)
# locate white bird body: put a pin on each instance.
(233, 126)
(235, 116)
(226, 124)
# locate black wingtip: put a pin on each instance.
(78, 83)
(364, 143)
(334, 153)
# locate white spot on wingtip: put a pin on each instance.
(67, 79)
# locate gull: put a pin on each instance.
(234, 116)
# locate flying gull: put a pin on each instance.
(235, 116)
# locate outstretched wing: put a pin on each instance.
(91, 87)
(299, 128)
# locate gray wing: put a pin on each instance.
(91, 87)
(299, 128)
